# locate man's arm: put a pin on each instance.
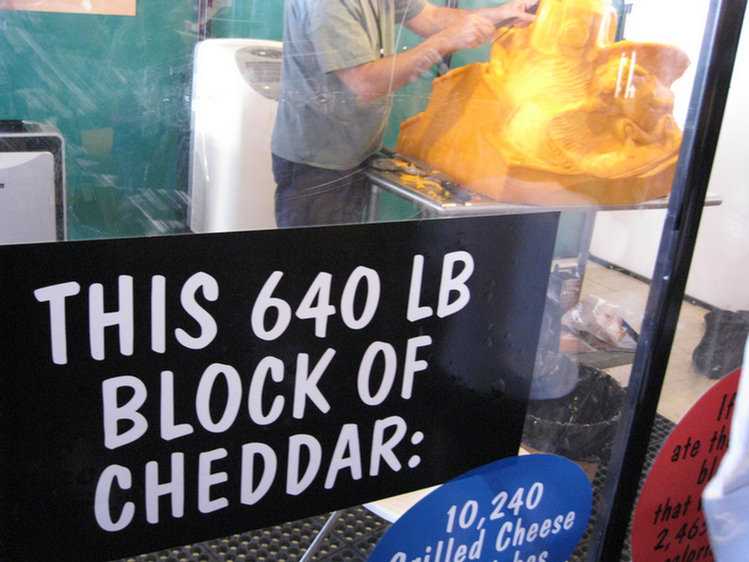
(381, 76)
(433, 19)
(447, 30)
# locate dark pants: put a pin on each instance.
(306, 195)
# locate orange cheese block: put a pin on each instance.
(560, 114)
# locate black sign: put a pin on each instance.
(162, 391)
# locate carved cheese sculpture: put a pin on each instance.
(560, 115)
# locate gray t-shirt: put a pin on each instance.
(320, 121)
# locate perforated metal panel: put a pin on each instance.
(350, 537)
(662, 428)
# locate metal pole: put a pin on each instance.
(707, 105)
(329, 524)
(204, 19)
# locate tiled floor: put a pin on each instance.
(684, 384)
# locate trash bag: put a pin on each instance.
(721, 348)
(594, 319)
(725, 499)
(580, 425)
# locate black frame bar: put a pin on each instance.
(701, 132)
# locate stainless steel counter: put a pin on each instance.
(433, 200)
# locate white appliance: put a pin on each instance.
(236, 86)
(32, 184)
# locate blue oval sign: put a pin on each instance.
(531, 508)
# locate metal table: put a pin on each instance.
(435, 201)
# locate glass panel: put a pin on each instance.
(698, 397)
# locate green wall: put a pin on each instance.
(118, 89)
(259, 19)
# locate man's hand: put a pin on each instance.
(467, 32)
(521, 10)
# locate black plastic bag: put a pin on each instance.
(721, 348)
(581, 425)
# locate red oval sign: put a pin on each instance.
(669, 525)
